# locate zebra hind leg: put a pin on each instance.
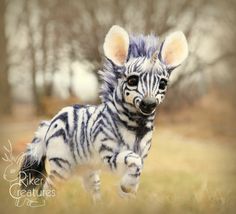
(91, 183)
(60, 171)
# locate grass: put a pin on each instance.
(190, 169)
(181, 175)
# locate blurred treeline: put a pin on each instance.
(46, 46)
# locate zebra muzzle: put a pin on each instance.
(148, 105)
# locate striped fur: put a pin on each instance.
(115, 133)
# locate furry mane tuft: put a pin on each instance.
(142, 46)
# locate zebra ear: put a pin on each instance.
(174, 50)
(116, 45)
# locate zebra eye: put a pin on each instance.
(133, 80)
(163, 84)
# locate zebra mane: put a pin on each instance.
(140, 46)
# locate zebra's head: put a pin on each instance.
(137, 70)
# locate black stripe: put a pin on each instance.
(98, 118)
(54, 172)
(82, 137)
(63, 117)
(77, 144)
(60, 132)
(55, 160)
(86, 131)
(73, 141)
(103, 131)
(104, 147)
(116, 130)
(35, 140)
(114, 160)
(58, 160)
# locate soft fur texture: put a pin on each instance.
(118, 132)
(174, 49)
(139, 46)
(116, 45)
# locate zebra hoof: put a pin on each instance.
(96, 198)
(126, 192)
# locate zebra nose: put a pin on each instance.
(148, 104)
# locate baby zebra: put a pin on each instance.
(118, 132)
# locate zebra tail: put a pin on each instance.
(32, 173)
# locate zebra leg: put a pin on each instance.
(59, 156)
(60, 170)
(91, 182)
(131, 165)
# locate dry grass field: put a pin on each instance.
(190, 169)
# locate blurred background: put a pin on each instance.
(50, 54)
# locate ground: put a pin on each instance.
(185, 172)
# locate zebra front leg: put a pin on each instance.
(131, 165)
(91, 181)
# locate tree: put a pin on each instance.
(5, 89)
(32, 53)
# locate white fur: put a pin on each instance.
(37, 150)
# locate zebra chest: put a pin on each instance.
(139, 144)
(128, 138)
(144, 144)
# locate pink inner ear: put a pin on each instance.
(120, 57)
(175, 50)
(174, 53)
(116, 45)
(120, 49)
